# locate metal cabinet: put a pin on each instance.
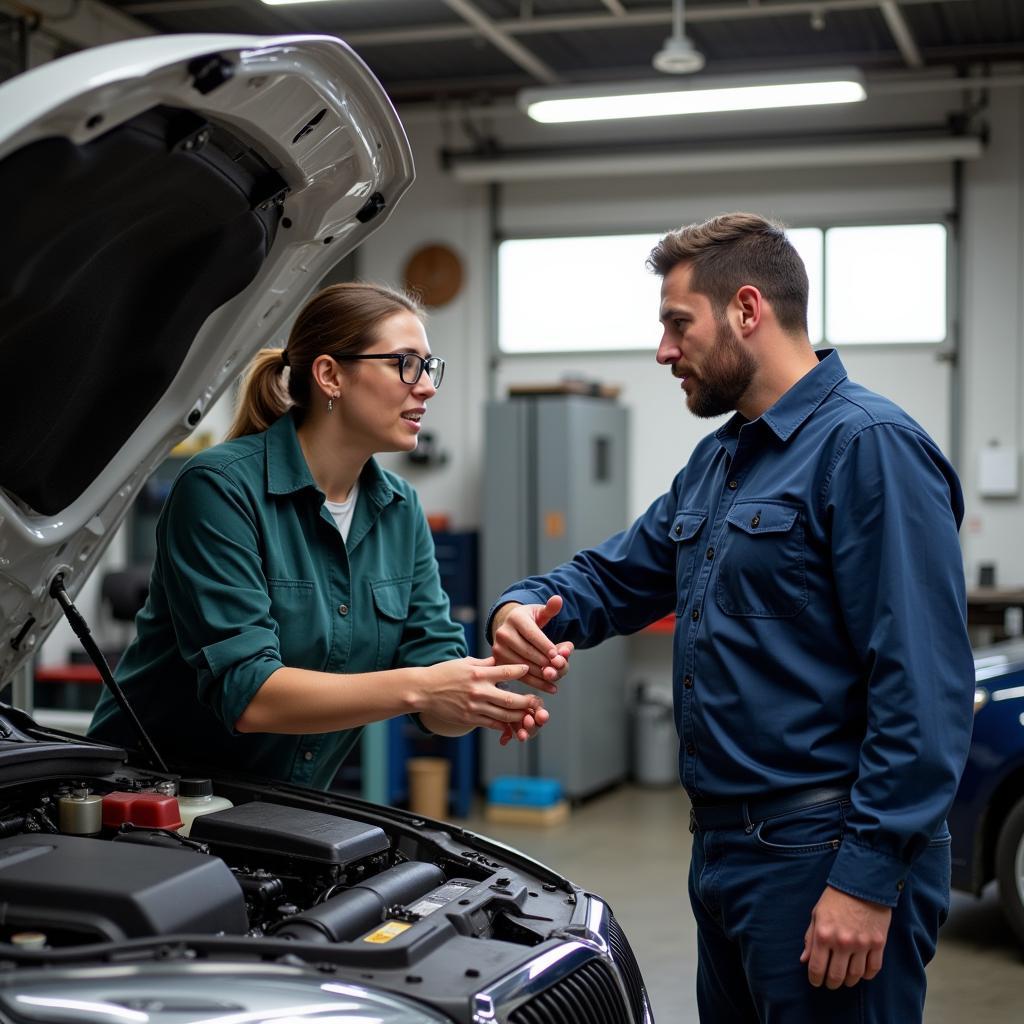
(556, 482)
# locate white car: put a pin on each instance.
(171, 203)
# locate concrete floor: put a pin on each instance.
(632, 847)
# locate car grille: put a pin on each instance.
(589, 995)
(624, 959)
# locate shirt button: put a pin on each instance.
(899, 885)
(690, 748)
(343, 609)
(678, 530)
(695, 614)
(755, 521)
(733, 485)
(711, 553)
(308, 755)
(688, 682)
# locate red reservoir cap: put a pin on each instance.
(147, 810)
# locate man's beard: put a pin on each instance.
(725, 377)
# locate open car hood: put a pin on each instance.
(172, 201)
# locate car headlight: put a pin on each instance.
(980, 698)
(201, 993)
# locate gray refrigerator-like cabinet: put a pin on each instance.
(555, 482)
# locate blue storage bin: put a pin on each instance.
(524, 791)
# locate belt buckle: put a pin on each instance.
(693, 822)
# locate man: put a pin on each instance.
(822, 674)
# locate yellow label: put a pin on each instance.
(387, 931)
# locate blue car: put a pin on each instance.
(987, 817)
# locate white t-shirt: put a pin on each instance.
(342, 511)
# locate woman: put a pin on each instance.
(295, 595)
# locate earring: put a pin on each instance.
(330, 401)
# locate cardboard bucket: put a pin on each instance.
(428, 786)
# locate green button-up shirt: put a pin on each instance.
(251, 574)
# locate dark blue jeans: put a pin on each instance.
(752, 893)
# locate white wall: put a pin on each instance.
(993, 327)
(663, 433)
(438, 209)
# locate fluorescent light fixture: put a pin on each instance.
(713, 94)
(281, 3)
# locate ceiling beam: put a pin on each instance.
(853, 151)
(560, 23)
(615, 6)
(538, 25)
(698, 15)
(488, 28)
(901, 33)
(172, 6)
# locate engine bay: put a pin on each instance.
(104, 864)
(258, 868)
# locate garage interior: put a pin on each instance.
(938, 141)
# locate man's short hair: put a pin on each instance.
(734, 249)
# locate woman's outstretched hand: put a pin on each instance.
(466, 693)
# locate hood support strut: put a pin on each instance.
(82, 631)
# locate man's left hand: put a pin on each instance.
(845, 939)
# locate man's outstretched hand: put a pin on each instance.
(518, 631)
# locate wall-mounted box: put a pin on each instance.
(998, 472)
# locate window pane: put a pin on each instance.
(578, 294)
(885, 284)
(809, 242)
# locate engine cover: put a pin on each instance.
(111, 891)
(290, 831)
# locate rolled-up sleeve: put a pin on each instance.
(895, 508)
(217, 591)
(613, 589)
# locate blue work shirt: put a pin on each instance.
(251, 574)
(812, 561)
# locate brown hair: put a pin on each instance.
(339, 320)
(734, 249)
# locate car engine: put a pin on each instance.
(93, 869)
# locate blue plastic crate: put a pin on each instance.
(524, 791)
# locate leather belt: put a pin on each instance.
(746, 814)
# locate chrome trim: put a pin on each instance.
(595, 930)
(581, 943)
(497, 1001)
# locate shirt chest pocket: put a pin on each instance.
(391, 601)
(761, 572)
(301, 621)
(685, 533)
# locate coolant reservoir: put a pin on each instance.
(195, 797)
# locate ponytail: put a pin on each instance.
(264, 395)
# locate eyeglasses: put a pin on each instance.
(410, 366)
